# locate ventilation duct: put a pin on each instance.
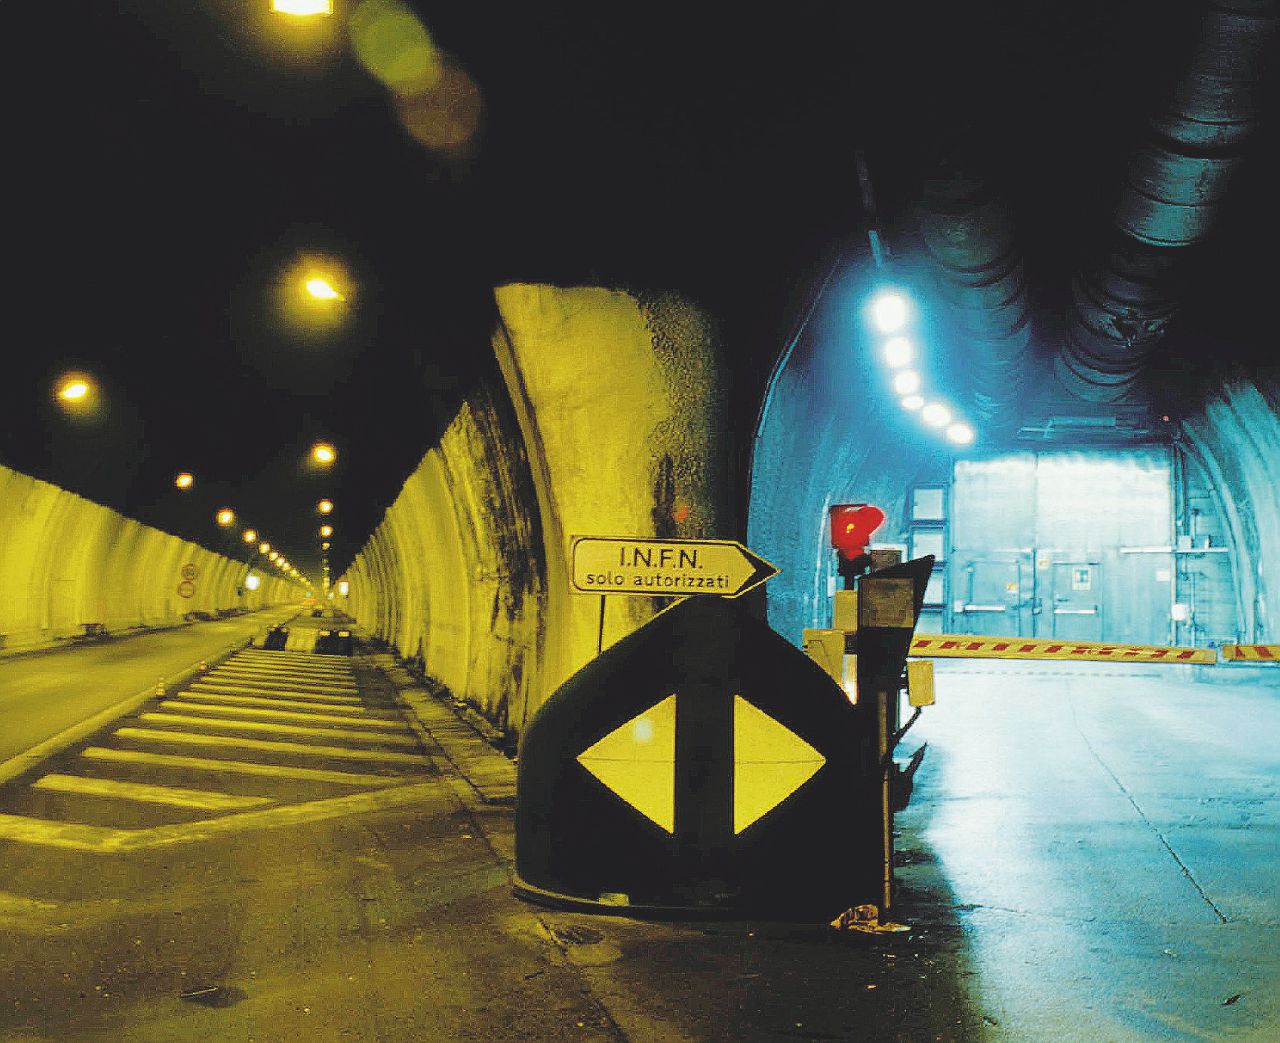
(1176, 179)
(970, 238)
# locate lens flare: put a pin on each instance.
(394, 46)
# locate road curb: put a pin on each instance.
(490, 774)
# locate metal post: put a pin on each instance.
(600, 632)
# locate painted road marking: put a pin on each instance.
(106, 840)
(318, 669)
(269, 746)
(172, 796)
(266, 771)
(284, 715)
(245, 689)
(278, 729)
(293, 704)
(327, 666)
(289, 677)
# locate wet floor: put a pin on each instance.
(1111, 840)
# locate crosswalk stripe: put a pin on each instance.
(267, 771)
(67, 835)
(292, 704)
(269, 745)
(312, 666)
(275, 659)
(232, 689)
(279, 729)
(284, 715)
(172, 796)
(286, 677)
(104, 839)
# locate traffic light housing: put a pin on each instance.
(851, 527)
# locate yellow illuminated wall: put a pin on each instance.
(65, 561)
(607, 420)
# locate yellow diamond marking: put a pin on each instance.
(770, 762)
(638, 762)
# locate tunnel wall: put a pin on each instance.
(830, 432)
(65, 560)
(1235, 438)
(469, 570)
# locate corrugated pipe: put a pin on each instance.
(970, 236)
(1176, 180)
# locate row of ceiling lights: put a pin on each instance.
(890, 313)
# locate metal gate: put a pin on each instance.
(1041, 542)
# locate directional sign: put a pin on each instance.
(619, 565)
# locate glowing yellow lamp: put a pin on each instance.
(185, 480)
(303, 8)
(226, 517)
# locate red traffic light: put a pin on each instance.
(851, 527)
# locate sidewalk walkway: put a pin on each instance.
(488, 772)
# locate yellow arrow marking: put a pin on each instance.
(770, 762)
(638, 762)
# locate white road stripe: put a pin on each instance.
(171, 796)
(267, 771)
(278, 729)
(75, 837)
(293, 704)
(249, 689)
(283, 715)
(318, 666)
(270, 746)
(286, 677)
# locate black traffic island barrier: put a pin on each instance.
(704, 766)
(334, 642)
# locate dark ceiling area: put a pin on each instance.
(168, 161)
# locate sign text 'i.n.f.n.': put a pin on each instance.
(619, 565)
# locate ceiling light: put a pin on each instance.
(898, 351)
(889, 312)
(935, 414)
(907, 382)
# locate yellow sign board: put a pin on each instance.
(620, 565)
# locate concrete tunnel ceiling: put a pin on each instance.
(712, 158)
